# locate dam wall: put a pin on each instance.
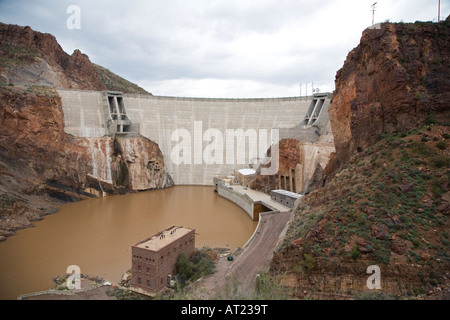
(194, 130)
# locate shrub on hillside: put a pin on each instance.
(192, 269)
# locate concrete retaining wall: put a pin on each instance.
(242, 200)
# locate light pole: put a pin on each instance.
(373, 12)
(439, 10)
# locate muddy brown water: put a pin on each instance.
(97, 235)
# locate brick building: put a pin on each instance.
(154, 258)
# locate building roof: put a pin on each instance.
(247, 172)
(287, 193)
(162, 239)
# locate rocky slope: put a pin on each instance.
(386, 198)
(31, 57)
(393, 81)
(41, 166)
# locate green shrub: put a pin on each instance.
(420, 148)
(441, 145)
(430, 119)
(185, 267)
(308, 262)
(355, 252)
(415, 242)
(440, 161)
(192, 269)
(437, 184)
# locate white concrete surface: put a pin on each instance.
(160, 118)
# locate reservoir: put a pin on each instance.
(97, 234)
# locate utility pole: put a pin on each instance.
(439, 11)
(373, 12)
(300, 90)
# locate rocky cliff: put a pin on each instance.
(393, 81)
(386, 198)
(41, 166)
(31, 57)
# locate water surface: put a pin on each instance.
(97, 234)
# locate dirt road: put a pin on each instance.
(240, 273)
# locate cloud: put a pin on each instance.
(228, 48)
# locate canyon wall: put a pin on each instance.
(35, 58)
(42, 166)
(385, 199)
(395, 80)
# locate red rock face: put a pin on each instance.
(80, 70)
(391, 82)
(41, 166)
(290, 156)
(25, 36)
(75, 71)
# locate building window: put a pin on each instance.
(139, 280)
(139, 268)
(148, 283)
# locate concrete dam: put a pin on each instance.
(200, 138)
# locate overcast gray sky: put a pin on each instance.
(218, 48)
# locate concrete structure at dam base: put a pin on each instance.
(251, 201)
